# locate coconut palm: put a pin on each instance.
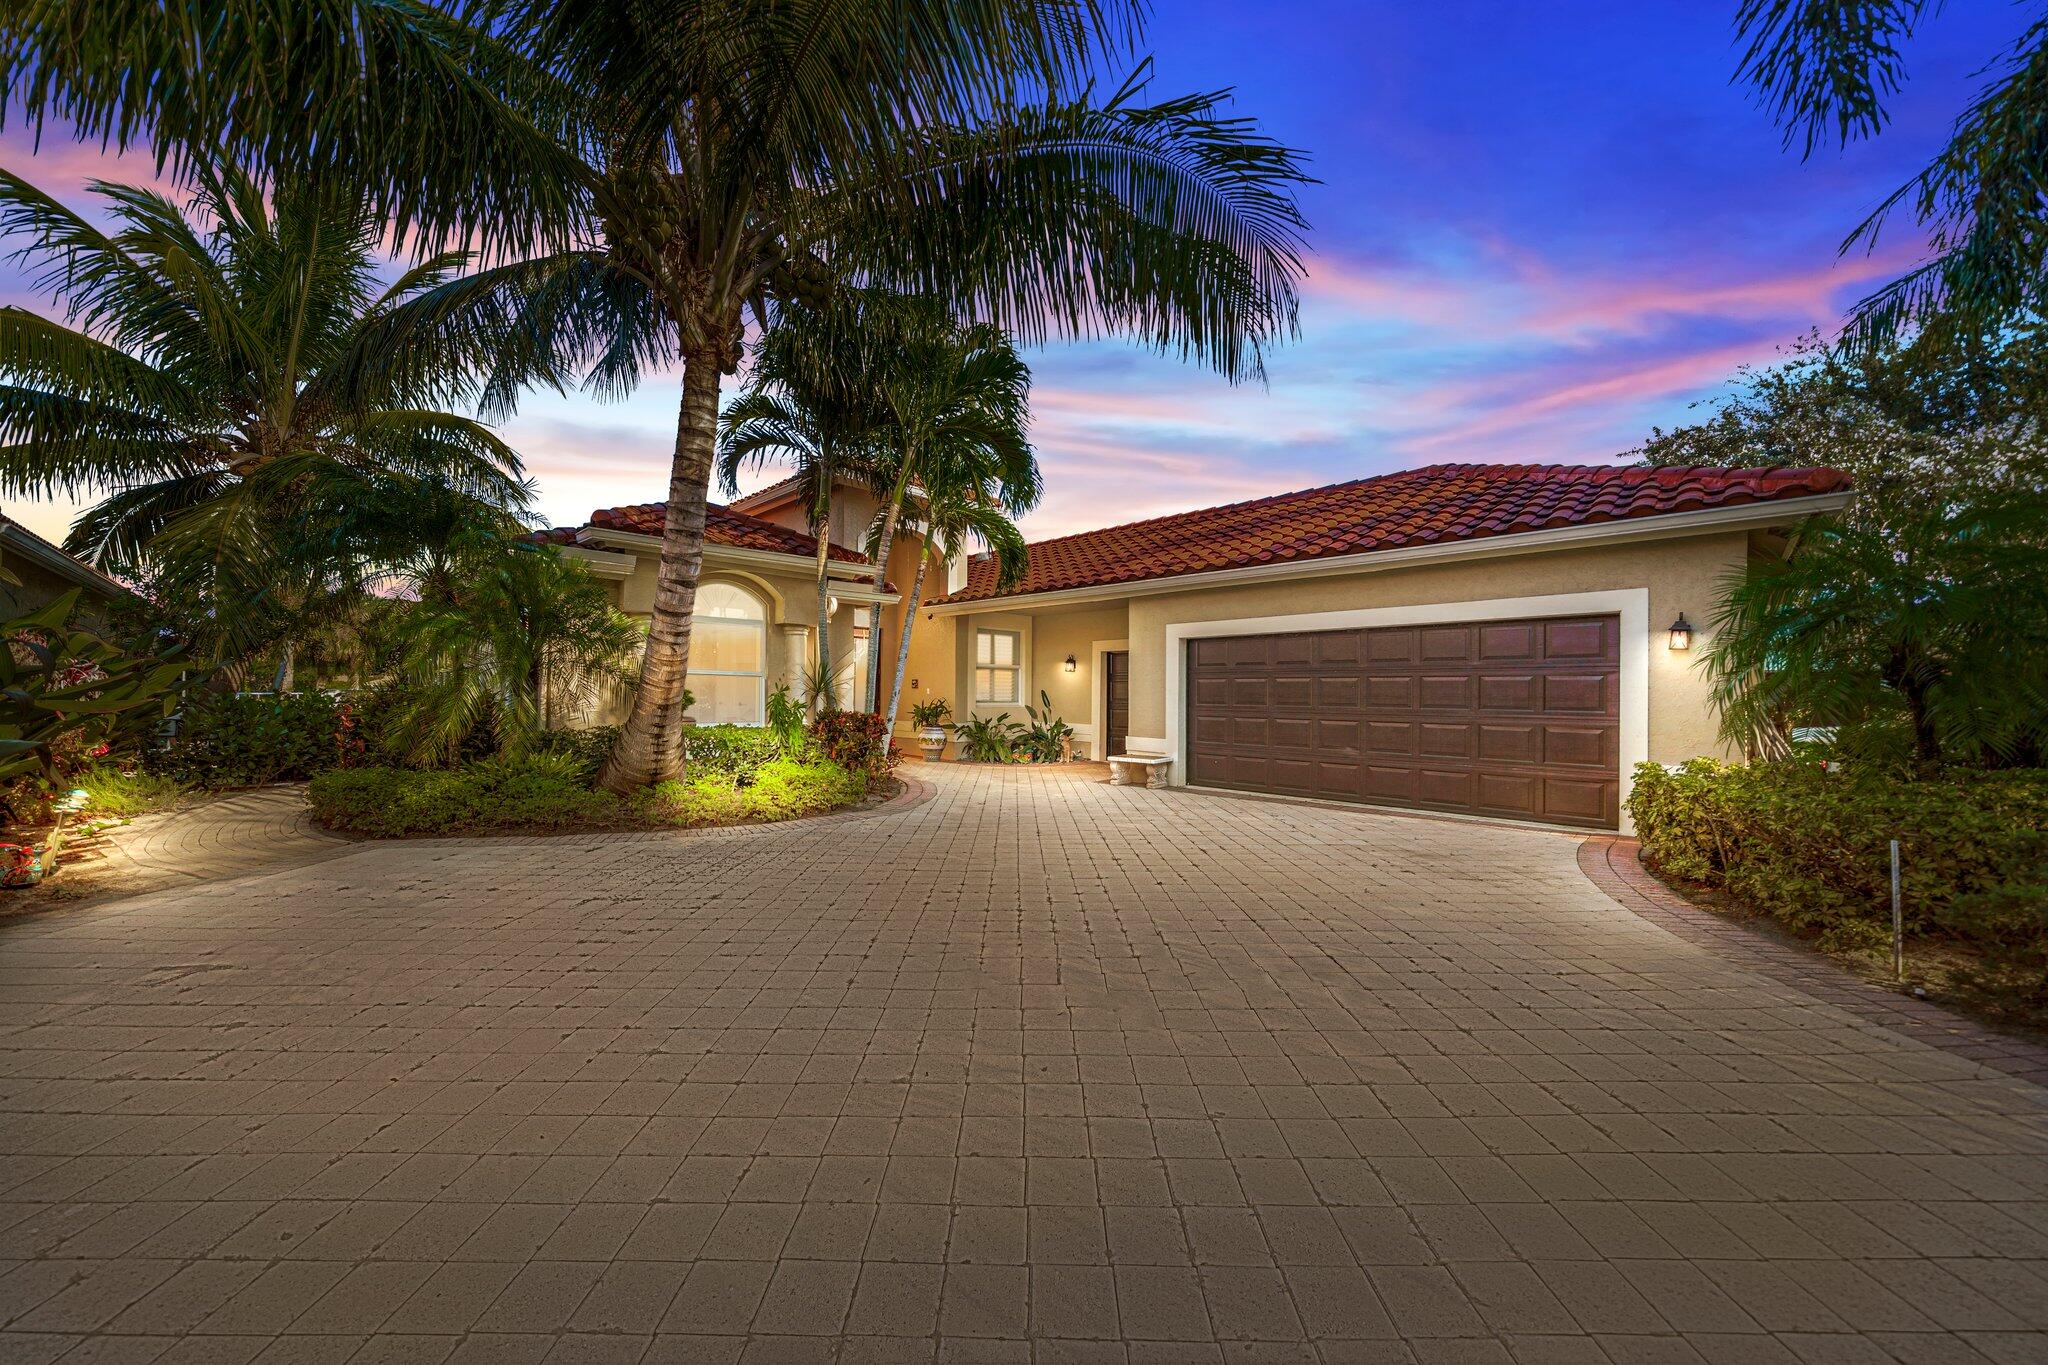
(525, 639)
(731, 156)
(236, 395)
(808, 404)
(957, 421)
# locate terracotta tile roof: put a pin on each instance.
(1444, 502)
(722, 526)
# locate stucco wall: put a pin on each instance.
(792, 610)
(1681, 575)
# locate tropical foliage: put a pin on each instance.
(523, 639)
(1810, 847)
(989, 739)
(1917, 620)
(1827, 72)
(265, 423)
(1047, 737)
(683, 168)
(66, 692)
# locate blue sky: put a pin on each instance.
(1542, 229)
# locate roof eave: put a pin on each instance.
(1668, 525)
(34, 547)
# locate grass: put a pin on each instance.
(113, 792)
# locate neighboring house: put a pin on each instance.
(1483, 639)
(34, 573)
(757, 603)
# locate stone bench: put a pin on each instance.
(1139, 770)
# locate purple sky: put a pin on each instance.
(1542, 229)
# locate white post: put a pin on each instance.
(1898, 921)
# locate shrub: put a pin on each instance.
(989, 739)
(781, 790)
(731, 753)
(541, 791)
(226, 740)
(1810, 847)
(550, 791)
(856, 740)
(588, 748)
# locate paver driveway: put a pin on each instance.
(1040, 1068)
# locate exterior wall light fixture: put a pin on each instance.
(1681, 633)
(1071, 665)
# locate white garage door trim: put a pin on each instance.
(1631, 605)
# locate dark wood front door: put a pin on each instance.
(1507, 718)
(1116, 695)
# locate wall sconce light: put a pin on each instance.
(1681, 633)
(1071, 665)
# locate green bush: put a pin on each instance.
(225, 740)
(781, 790)
(543, 791)
(1810, 847)
(589, 748)
(552, 791)
(732, 753)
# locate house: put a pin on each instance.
(34, 573)
(1495, 640)
(757, 613)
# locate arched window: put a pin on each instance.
(728, 656)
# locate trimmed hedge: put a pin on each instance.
(1810, 847)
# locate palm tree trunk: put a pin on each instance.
(924, 554)
(882, 548)
(823, 531)
(650, 747)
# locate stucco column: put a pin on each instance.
(796, 657)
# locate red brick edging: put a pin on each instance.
(1614, 865)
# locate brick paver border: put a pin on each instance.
(1615, 866)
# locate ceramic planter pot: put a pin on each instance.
(932, 740)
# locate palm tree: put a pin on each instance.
(524, 635)
(1932, 622)
(965, 498)
(237, 395)
(728, 157)
(957, 425)
(808, 403)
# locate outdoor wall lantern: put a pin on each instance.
(1681, 633)
(1071, 665)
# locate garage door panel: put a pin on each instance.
(1512, 718)
(1338, 692)
(1514, 794)
(1292, 693)
(1588, 694)
(1579, 747)
(1435, 739)
(1584, 801)
(1392, 646)
(1506, 642)
(1440, 692)
(1390, 736)
(1391, 693)
(1511, 742)
(1508, 692)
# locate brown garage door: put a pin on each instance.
(1509, 718)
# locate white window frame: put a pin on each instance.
(1015, 668)
(760, 678)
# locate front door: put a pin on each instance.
(1116, 696)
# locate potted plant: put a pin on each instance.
(930, 719)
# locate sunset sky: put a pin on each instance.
(1541, 230)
